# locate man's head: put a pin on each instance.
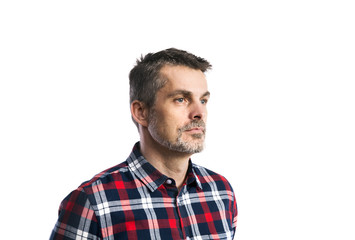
(168, 96)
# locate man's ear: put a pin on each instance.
(139, 113)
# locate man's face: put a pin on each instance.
(177, 120)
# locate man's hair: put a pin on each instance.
(145, 79)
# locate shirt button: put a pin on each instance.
(169, 181)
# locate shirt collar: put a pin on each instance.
(150, 176)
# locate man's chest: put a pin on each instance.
(163, 214)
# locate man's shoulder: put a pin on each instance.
(209, 177)
(106, 176)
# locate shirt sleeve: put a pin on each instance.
(235, 214)
(77, 219)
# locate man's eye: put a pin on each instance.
(204, 101)
(180, 100)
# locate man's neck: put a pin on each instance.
(170, 163)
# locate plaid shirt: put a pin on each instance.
(133, 200)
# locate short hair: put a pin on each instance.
(145, 79)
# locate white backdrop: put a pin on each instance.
(281, 115)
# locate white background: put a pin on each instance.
(281, 115)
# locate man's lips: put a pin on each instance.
(195, 130)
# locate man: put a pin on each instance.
(157, 193)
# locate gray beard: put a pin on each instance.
(178, 145)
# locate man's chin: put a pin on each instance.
(191, 146)
(184, 147)
(184, 144)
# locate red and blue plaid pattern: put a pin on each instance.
(133, 200)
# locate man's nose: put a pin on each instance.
(198, 111)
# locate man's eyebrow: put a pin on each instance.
(180, 92)
(186, 93)
(206, 94)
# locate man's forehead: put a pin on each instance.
(169, 68)
(183, 78)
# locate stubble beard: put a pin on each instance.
(194, 146)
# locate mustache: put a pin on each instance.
(193, 124)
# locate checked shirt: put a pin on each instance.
(133, 200)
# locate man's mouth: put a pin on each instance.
(195, 130)
(196, 127)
